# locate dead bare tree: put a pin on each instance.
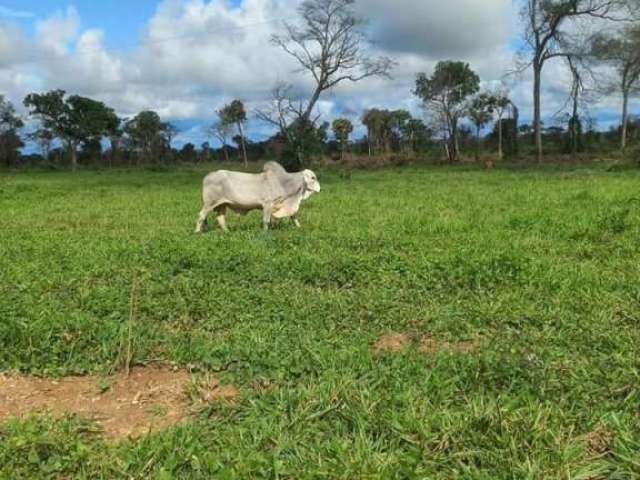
(620, 50)
(577, 88)
(545, 33)
(286, 112)
(221, 131)
(283, 109)
(330, 45)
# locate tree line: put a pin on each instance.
(329, 44)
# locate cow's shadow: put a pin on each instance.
(211, 226)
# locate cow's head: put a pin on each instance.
(311, 184)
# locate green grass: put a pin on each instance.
(542, 265)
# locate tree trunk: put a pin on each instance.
(224, 151)
(4, 153)
(115, 151)
(537, 121)
(515, 118)
(477, 144)
(500, 137)
(625, 119)
(455, 147)
(244, 148)
(73, 152)
(574, 127)
(300, 157)
(312, 103)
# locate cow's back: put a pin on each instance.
(236, 189)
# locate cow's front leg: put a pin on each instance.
(267, 210)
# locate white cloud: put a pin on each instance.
(56, 32)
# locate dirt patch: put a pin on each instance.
(149, 399)
(430, 345)
(599, 442)
(393, 342)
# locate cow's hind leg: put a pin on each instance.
(294, 220)
(202, 219)
(221, 212)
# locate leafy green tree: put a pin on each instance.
(303, 136)
(147, 134)
(74, 119)
(416, 134)
(374, 121)
(10, 141)
(401, 128)
(382, 125)
(188, 153)
(235, 114)
(44, 138)
(205, 151)
(444, 94)
(342, 129)
(115, 133)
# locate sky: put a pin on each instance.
(187, 58)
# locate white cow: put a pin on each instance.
(275, 191)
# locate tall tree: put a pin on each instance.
(444, 93)
(205, 151)
(301, 136)
(622, 51)
(74, 119)
(10, 141)
(115, 132)
(188, 153)
(386, 128)
(501, 103)
(147, 134)
(235, 114)
(577, 88)
(329, 43)
(221, 132)
(400, 126)
(417, 134)
(342, 129)
(380, 125)
(371, 120)
(481, 111)
(44, 138)
(546, 37)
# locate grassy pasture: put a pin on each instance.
(541, 267)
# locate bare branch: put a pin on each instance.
(330, 46)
